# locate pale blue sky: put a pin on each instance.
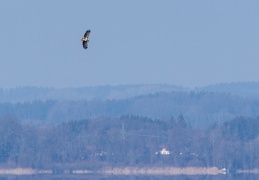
(186, 43)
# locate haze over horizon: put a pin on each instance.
(183, 43)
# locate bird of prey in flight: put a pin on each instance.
(85, 39)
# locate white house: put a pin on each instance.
(164, 151)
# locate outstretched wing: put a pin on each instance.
(87, 33)
(85, 45)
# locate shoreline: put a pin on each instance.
(247, 171)
(122, 171)
(127, 171)
(164, 171)
(23, 171)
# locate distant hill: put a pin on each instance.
(25, 94)
(109, 92)
(200, 106)
(199, 109)
(244, 89)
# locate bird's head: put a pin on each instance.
(84, 39)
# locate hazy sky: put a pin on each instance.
(188, 43)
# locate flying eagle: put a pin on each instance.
(85, 39)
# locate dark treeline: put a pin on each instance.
(198, 108)
(129, 141)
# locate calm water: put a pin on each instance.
(101, 177)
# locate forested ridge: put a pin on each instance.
(129, 141)
(200, 109)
